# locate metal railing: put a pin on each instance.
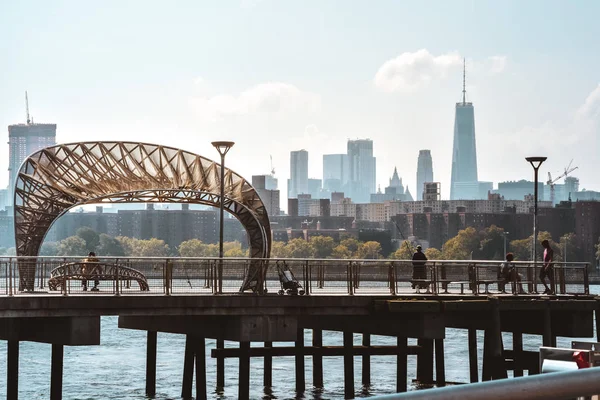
(207, 276)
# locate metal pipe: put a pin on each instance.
(552, 386)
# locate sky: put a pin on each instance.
(276, 76)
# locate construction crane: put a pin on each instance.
(551, 181)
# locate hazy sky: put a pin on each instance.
(276, 76)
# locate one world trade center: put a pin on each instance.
(464, 183)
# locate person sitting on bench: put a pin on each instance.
(510, 275)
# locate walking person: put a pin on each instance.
(91, 268)
(419, 271)
(548, 268)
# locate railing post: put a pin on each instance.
(64, 285)
(307, 277)
(586, 281)
(392, 278)
(434, 278)
(168, 272)
(10, 277)
(350, 280)
(117, 288)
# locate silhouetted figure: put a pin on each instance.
(548, 268)
(91, 268)
(510, 275)
(419, 271)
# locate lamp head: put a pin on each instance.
(223, 146)
(536, 161)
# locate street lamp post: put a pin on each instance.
(222, 147)
(535, 162)
(505, 234)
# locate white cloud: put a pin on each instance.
(410, 71)
(590, 109)
(276, 98)
(496, 64)
(198, 80)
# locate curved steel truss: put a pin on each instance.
(57, 178)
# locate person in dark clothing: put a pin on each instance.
(91, 268)
(548, 268)
(419, 271)
(510, 275)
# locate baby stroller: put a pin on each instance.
(289, 284)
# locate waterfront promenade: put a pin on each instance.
(200, 298)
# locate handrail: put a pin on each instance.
(211, 275)
(550, 386)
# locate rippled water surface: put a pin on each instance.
(116, 368)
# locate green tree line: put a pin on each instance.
(487, 244)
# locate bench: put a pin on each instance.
(96, 271)
(456, 274)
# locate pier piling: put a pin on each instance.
(151, 364)
(348, 365)
(300, 375)
(244, 368)
(473, 368)
(12, 368)
(268, 368)
(366, 361)
(401, 364)
(200, 357)
(56, 372)
(317, 342)
(425, 361)
(440, 368)
(188, 368)
(220, 366)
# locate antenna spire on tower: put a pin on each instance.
(27, 108)
(464, 80)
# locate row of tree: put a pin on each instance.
(487, 244)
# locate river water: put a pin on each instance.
(116, 368)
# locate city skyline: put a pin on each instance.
(307, 88)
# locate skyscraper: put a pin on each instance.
(23, 140)
(464, 154)
(362, 170)
(335, 172)
(424, 171)
(298, 183)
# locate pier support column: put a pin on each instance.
(518, 353)
(366, 360)
(151, 364)
(548, 339)
(12, 370)
(188, 369)
(56, 372)
(317, 341)
(425, 361)
(473, 368)
(440, 368)
(200, 356)
(268, 368)
(494, 363)
(401, 365)
(244, 380)
(300, 375)
(220, 367)
(348, 365)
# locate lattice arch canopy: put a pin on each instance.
(58, 178)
